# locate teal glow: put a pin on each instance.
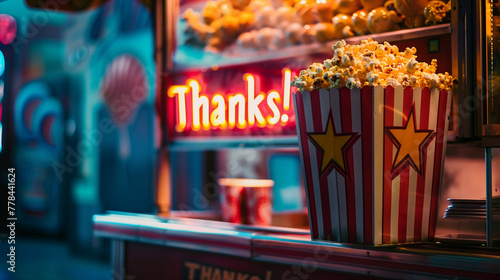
(1, 131)
(2, 63)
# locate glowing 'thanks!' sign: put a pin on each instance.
(197, 111)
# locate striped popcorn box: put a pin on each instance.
(372, 160)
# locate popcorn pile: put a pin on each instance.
(436, 12)
(371, 64)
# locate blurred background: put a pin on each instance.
(77, 113)
(77, 122)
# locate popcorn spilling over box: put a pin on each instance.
(372, 125)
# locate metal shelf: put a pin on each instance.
(206, 143)
(232, 57)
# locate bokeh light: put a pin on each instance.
(8, 29)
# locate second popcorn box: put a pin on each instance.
(372, 159)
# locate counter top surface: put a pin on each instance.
(289, 245)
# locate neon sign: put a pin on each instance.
(196, 110)
(8, 29)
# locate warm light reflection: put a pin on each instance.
(1, 132)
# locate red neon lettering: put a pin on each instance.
(242, 110)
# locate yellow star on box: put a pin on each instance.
(333, 147)
(410, 144)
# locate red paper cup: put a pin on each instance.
(246, 201)
(259, 205)
(372, 160)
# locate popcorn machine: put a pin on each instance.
(233, 201)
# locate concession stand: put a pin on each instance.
(256, 180)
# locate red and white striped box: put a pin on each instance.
(372, 160)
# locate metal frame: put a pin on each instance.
(467, 30)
